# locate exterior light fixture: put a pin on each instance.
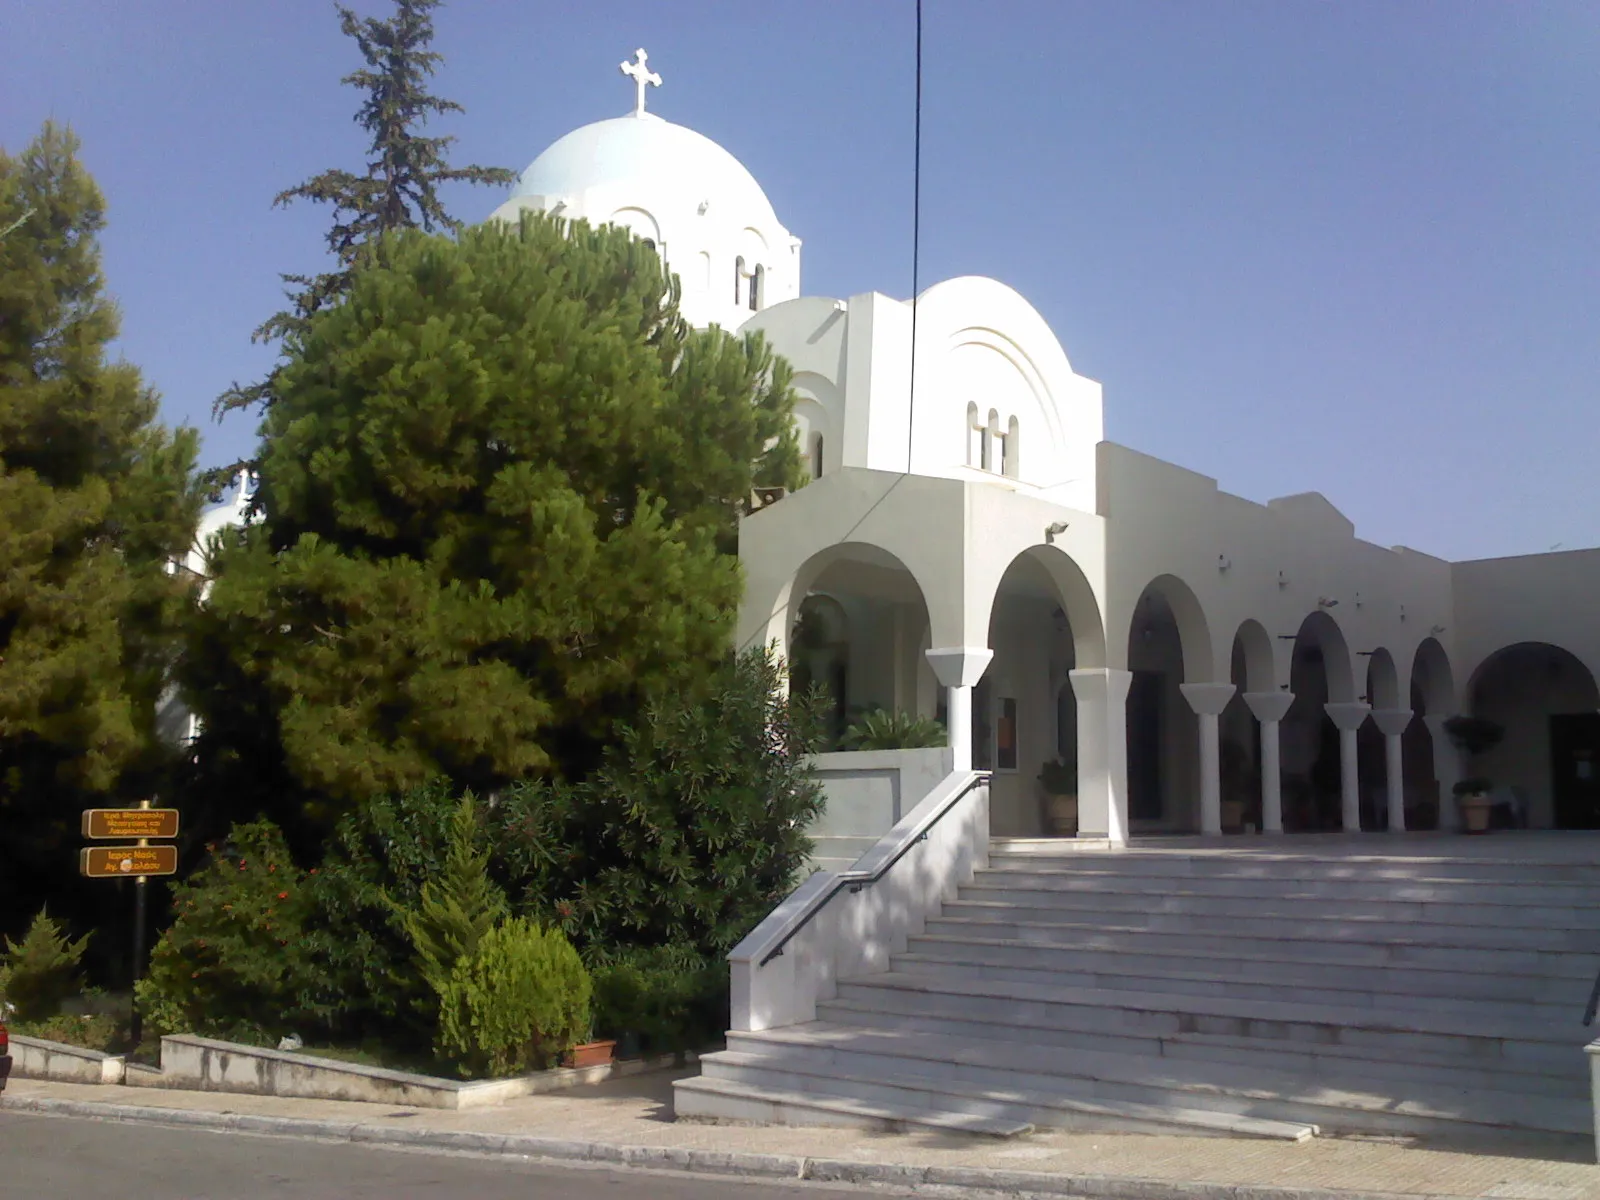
(1053, 531)
(1223, 562)
(1436, 630)
(1324, 602)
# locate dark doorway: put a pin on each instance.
(1575, 769)
(1144, 746)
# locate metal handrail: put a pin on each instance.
(1594, 1002)
(856, 880)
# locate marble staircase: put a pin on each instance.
(1275, 991)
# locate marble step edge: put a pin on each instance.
(854, 1112)
(1102, 1113)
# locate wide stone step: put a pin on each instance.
(1020, 1102)
(717, 1100)
(1545, 1070)
(1372, 945)
(1258, 864)
(1532, 893)
(1491, 982)
(1300, 926)
(1327, 988)
(1427, 1105)
(1447, 1035)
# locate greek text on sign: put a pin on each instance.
(127, 862)
(130, 823)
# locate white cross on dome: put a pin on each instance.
(642, 77)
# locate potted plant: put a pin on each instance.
(1474, 736)
(1234, 772)
(590, 1054)
(880, 729)
(1058, 780)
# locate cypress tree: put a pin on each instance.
(400, 186)
(96, 498)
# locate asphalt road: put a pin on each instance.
(42, 1158)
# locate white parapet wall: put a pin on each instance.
(842, 925)
(35, 1058)
(865, 793)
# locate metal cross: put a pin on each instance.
(642, 77)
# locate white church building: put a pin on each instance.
(1242, 928)
(972, 549)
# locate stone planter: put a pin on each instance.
(1061, 811)
(1233, 815)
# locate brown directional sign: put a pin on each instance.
(123, 823)
(127, 862)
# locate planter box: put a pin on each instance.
(207, 1065)
(35, 1058)
(590, 1054)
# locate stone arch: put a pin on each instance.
(1194, 631)
(1548, 764)
(1431, 675)
(1076, 596)
(1254, 645)
(641, 224)
(1322, 631)
(1383, 680)
(942, 617)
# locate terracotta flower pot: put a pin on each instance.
(1063, 812)
(1475, 813)
(590, 1054)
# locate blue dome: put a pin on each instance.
(656, 154)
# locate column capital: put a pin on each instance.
(959, 666)
(1392, 721)
(1207, 699)
(1269, 706)
(1093, 685)
(1348, 716)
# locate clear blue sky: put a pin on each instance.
(1345, 247)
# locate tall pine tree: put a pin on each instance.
(400, 187)
(499, 487)
(95, 499)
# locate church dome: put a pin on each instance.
(651, 154)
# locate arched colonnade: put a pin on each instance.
(1169, 728)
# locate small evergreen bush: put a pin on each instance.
(41, 970)
(516, 1004)
(455, 911)
(233, 963)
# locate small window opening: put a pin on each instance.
(1010, 464)
(974, 436)
(757, 286)
(738, 280)
(816, 457)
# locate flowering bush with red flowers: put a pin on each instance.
(233, 964)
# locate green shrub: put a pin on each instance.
(689, 832)
(97, 1031)
(666, 999)
(41, 970)
(879, 729)
(233, 963)
(518, 1003)
(364, 981)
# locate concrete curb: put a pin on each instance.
(951, 1181)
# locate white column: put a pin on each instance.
(1446, 769)
(1348, 718)
(1208, 700)
(959, 668)
(1393, 722)
(1270, 708)
(1102, 695)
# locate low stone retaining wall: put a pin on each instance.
(206, 1065)
(35, 1058)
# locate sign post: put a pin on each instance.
(140, 861)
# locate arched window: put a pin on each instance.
(757, 286)
(1010, 460)
(974, 436)
(738, 280)
(816, 457)
(991, 435)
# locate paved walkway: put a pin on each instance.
(636, 1112)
